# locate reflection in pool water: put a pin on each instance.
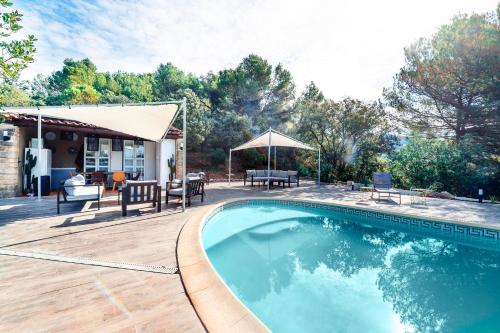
(315, 270)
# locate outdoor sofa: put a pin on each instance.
(74, 189)
(382, 185)
(279, 176)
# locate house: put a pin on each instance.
(74, 146)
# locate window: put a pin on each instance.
(98, 160)
(133, 157)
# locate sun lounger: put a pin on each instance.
(382, 186)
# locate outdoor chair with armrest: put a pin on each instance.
(99, 177)
(382, 184)
(140, 192)
(194, 187)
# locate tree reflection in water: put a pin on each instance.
(433, 285)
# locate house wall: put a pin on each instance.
(150, 160)
(178, 158)
(9, 165)
(12, 155)
(60, 156)
(166, 150)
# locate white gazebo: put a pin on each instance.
(272, 138)
(150, 121)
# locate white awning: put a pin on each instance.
(277, 140)
(147, 121)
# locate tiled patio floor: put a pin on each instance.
(41, 296)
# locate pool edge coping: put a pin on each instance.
(214, 302)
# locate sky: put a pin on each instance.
(348, 48)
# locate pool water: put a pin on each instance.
(315, 270)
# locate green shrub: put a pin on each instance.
(252, 159)
(217, 156)
(459, 168)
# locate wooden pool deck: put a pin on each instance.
(88, 270)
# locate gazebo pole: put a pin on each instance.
(319, 166)
(269, 161)
(230, 151)
(184, 151)
(39, 180)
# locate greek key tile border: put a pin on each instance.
(455, 230)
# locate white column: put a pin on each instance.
(39, 159)
(230, 151)
(184, 152)
(269, 160)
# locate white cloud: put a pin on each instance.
(347, 47)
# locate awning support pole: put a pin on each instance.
(39, 179)
(230, 151)
(269, 161)
(319, 166)
(184, 151)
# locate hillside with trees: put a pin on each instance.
(437, 126)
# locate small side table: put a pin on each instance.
(367, 191)
(420, 198)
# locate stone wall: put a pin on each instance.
(9, 165)
(178, 158)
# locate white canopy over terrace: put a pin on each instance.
(149, 121)
(272, 138)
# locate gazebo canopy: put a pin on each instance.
(147, 121)
(272, 138)
(275, 139)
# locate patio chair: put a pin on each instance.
(74, 189)
(293, 177)
(194, 187)
(140, 192)
(382, 185)
(118, 177)
(137, 176)
(99, 177)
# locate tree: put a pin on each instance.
(450, 85)
(39, 87)
(11, 95)
(341, 130)
(15, 54)
(74, 84)
(256, 90)
(199, 123)
(168, 79)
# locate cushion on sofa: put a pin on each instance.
(89, 192)
(261, 173)
(70, 182)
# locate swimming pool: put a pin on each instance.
(302, 267)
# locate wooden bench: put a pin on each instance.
(139, 192)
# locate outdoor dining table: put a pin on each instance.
(128, 174)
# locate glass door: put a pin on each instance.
(133, 157)
(97, 160)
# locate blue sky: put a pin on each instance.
(349, 48)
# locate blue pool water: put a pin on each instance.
(302, 269)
